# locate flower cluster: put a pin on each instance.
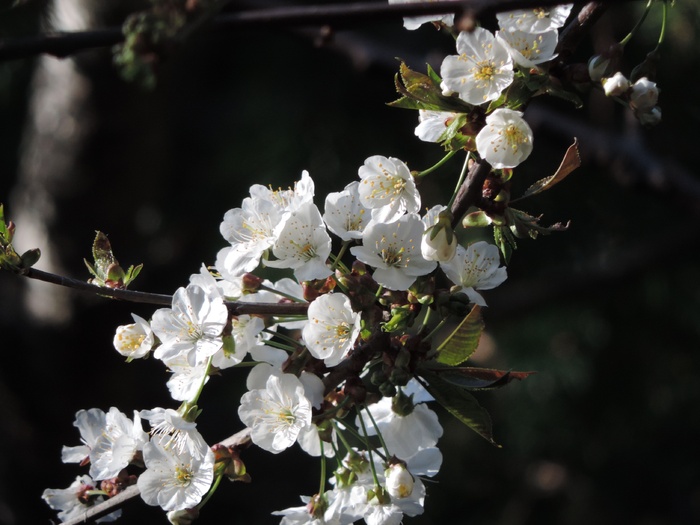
(346, 350)
(485, 66)
(347, 311)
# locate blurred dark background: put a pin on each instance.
(607, 313)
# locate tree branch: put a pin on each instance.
(470, 192)
(234, 307)
(64, 44)
(239, 439)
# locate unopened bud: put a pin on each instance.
(644, 95)
(399, 481)
(250, 283)
(598, 67)
(183, 517)
(615, 86)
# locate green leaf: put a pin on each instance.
(433, 75)
(460, 404)
(505, 240)
(462, 343)
(473, 378)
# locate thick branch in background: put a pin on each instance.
(63, 44)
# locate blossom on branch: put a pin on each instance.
(476, 268)
(530, 49)
(535, 20)
(506, 140)
(481, 71)
(174, 480)
(387, 188)
(75, 500)
(135, 340)
(192, 327)
(394, 250)
(277, 413)
(332, 329)
(414, 22)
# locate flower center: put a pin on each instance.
(514, 136)
(392, 257)
(183, 475)
(130, 342)
(484, 71)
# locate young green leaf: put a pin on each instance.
(462, 343)
(460, 404)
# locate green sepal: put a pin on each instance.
(505, 240)
(462, 342)
(460, 403)
(229, 345)
(421, 91)
(476, 219)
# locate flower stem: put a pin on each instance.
(434, 330)
(338, 258)
(369, 449)
(462, 176)
(213, 488)
(379, 434)
(625, 40)
(195, 398)
(442, 161)
(282, 294)
(322, 485)
(662, 34)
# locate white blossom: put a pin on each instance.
(482, 69)
(71, 501)
(120, 440)
(135, 340)
(252, 228)
(414, 22)
(433, 124)
(387, 188)
(277, 413)
(174, 480)
(186, 380)
(534, 20)
(192, 327)
(344, 213)
(303, 244)
(404, 435)
(506, 140)
(476, 268)
(394, 251)
(172, 431)
(90, 424)
(530, 49)
(332, 329)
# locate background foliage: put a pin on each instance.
(607, 313)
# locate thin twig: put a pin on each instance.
(234, 307)
(239, 439)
